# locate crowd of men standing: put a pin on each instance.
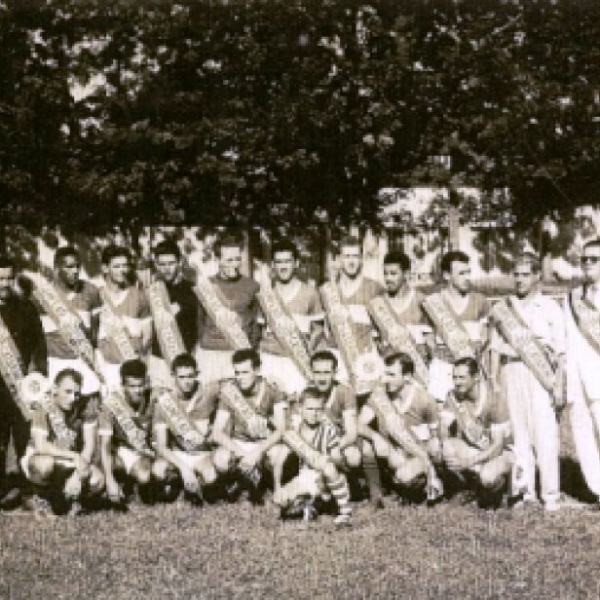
(225, 387)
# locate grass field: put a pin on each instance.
(229, 552)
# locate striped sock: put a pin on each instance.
(339, 490)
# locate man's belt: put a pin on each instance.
(507, 360)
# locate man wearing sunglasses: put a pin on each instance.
(583, 365)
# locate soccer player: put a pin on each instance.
(181, 429)
(322, 478)
(355, 291)
(406, 436)
(475, 432)
(184, 307)
(302, 302)
(459, 319)
(124, 427)
(61, 459)
(528, 355)
(125, 311)
(22, 342)
(340, 407)
(582, 313)
(83, 299)
(236, 293)
(249, 423)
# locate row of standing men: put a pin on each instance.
(393, 370)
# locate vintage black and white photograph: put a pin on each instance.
(299, 299)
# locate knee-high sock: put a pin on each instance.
(371, 469)
(339, 490)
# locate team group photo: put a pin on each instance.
(299, 299)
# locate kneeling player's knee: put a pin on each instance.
(330, 471)
(352, 456)
(41, 468)
(142, 471)
(222, 460)
(159, 469)
(96, 481)
(208, 474)
(490, 478)
(395, 460)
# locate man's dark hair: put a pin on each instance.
(452, 257)
(167, 247)
(310, 392)
(592, 243)
(397, 258)
(324, 355)
(470, 363)
(408, 366)
(111, 252)
(350, 240)
(134, 368)
(64, 251)
(227, 241)
(285, 245)
(240, 356)
(76, 376)
(184, 360)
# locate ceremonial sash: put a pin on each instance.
(179, 423)
(397, 335)
(167, 330)
(361, 367)
(116, 330)
(64, 437)
(526, 345)
(312, 457)
(587, 318)
(449, 327)
(67, 322)
(123, 413)
(386, 412)
(285, 328)
(475, 432)
(12, 368)
(256, 425)
(226, 320)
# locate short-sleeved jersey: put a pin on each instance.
(84, 413)
(185, 308)
(472, 314)
(407, 308)
(84, 300)
(263, 398)
(142, 418)
(338, 400)
(193, 408)
(239, 295)
(303, 303)
(356, 299)
(490, 411)
(416, 406)
(325, 437)
(131, 305)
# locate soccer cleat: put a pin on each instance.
(343, 520)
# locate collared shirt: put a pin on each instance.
(543, 316)
(407, 308)
(338, 400)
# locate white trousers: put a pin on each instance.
(282, 371)
(535, 430)
(585, 425)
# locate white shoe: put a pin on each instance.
(343, 520)
(552, 506)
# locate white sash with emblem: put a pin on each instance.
(516, 332)
(226, 320)
(115, 329)
(12, 368)
(284, 327)
(449, 327)
(468, 423)
(364, 368)
(167, 330)
(123, 413)
(255, 424)
(179, 422)
(68, 323)
(396, 335)
(586, 317)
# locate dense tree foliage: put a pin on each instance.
(263, 111)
